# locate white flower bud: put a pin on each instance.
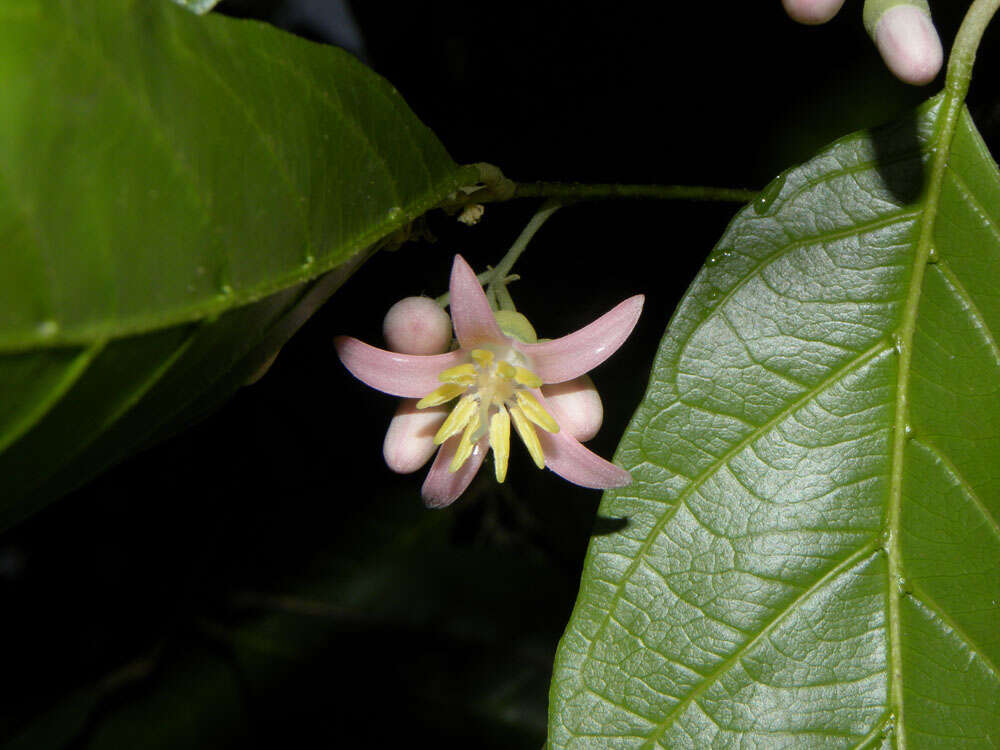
(409, 441)
(812, 12)
(577, 406)
(909, 44)
(417, 325)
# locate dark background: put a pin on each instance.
(262, 579)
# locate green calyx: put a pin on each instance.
(875, 9)
(516, 326)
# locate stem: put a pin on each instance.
(504, 266)
(504, 300)
(579, 191)
(496, 188)
(963, 50)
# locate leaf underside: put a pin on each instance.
(799, 567)
(177, 194)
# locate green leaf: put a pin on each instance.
(172, 191)
(811, 556)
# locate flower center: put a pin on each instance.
(495, 386)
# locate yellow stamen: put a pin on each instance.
(465, 446)
(527, 378)
(500, 442)
(528, 435)
(462, 374)
(483, 357)
(442, 395)
(457, 419)
(535, 412)
(505, 370)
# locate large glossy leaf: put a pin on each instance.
(171, 188)
(811, 556)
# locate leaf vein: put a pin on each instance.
(876, 730)
(965, 300)
(255, 127)
(338, 110)
(967, 488)
(888, 220)
(973, 202)
(81, 363)
(921, 597)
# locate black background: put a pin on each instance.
(136, 576)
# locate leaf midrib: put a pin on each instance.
(948, 114)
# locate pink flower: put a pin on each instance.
(497, 380)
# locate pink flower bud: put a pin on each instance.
(577, 406)
(909, 44)
(812, 12)
(417, 325)
(409, 441)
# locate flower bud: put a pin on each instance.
(577, 406)
(906, 39)
(812, 12)
(417, 325)
(409, 441)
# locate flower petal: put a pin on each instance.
(572, 355)
(568, 458)
(408, 375)
(470, 311)
(442, 488)
(409, 441)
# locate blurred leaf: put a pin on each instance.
(812, 550)
(59, 726)
(468, 649)
(196, 701)
(171, 189)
